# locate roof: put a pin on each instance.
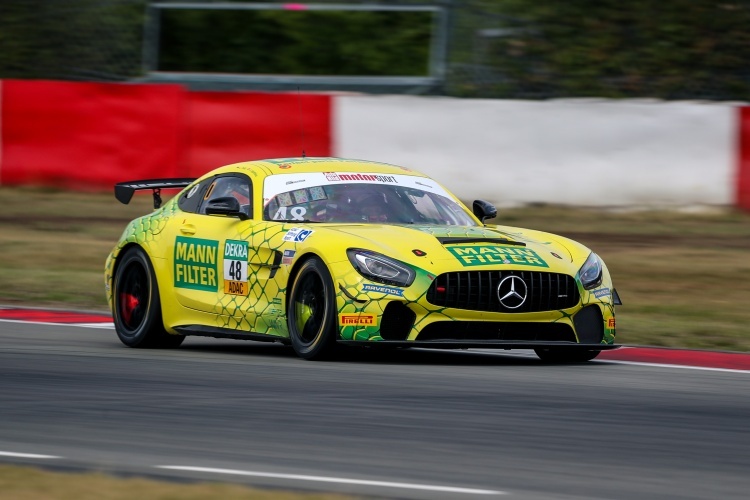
(316, 164)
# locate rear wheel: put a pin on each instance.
(562, 355)
(137, 308)
(311, 311)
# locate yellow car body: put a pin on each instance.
(225, 273)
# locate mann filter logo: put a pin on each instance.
(482, 255)
(356, 319)
(235, 267)
(195, 264)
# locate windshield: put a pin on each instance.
(361, 198)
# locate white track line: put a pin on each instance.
(323, 479)
(25, 455)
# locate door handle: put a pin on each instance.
(187, 229)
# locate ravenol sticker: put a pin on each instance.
(383, 289)
(297, 234)
(288, 256)
(602, 292)
(195, 264)
(353, 319)
(235, 267)
(484, 255)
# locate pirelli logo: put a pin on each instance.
(349, 319)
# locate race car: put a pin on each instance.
(323, 253)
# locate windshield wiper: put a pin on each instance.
(458, 240)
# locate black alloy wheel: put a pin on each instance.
(137, 308)
(311, 309)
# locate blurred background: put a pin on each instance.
(675, 49)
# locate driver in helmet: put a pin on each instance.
(373, 208)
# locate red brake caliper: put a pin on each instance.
(129, 303)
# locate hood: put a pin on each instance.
(472, 248)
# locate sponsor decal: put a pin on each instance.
(196, 264)
(555, 255)
(193, 190)
(485, 255)
(611, 323)
(298, 234)
(340, 176)
(288, 256)
(602, 292)
(285, 166)
(296, 213)
(353, 319)
(235, 267)
(383, 289)
(418, 252)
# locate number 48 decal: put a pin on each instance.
(236, 270)
(235, 267)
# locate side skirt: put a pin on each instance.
(226, 333)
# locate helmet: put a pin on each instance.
(373, 207)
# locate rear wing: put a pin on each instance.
(124, 190)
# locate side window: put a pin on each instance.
(191, 199)
(236, 186)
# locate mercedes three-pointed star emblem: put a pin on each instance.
(512, 292)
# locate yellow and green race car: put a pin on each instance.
(319, 252)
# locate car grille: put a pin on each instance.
(477, 291)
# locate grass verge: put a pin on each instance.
(27, 483)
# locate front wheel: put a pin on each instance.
(311, 311)
(562, 355)
(137, 308)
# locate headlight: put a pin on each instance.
(591, 272)
(380, 268)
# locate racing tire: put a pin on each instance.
(562, 355)
(136, 305)
(311, 311)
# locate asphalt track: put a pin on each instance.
(409, 424)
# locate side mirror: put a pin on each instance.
(228, 206)
(484, 210)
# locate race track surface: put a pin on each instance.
(406, 424)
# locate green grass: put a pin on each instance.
(684, 277)
(26, 483)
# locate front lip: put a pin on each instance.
(479, 344)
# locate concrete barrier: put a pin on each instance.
(578, 152)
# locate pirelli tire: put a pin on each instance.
(566, 355)
(311, 311)
(136, 304)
